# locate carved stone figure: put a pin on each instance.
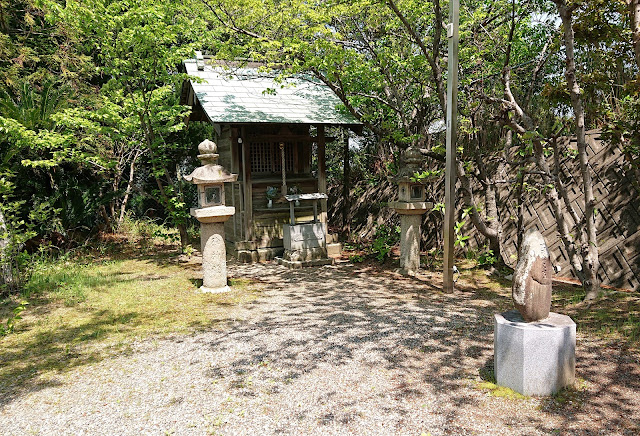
(531, 289)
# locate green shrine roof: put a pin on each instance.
(247, 95)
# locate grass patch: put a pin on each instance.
(613, 315)
(500, 391)
(83, 311)
(489, 385)
(571, 395)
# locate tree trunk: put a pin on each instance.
(184, 237)
(589, 242)
(551, 193)
(492, 234)
(634, 23)
(520, 208)
(127, 193)
(6, 272)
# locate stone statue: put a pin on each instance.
(531, 289)
(534, 351)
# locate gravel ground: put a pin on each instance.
(333, 350)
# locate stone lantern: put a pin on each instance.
(212, 214)
(411, 205)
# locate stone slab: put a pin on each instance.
(303, 264)
(268, 254)
(304, 236)
(411, 208)
(213, 214)
(536, 358)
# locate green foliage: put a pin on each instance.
(427, 175)
(15, 263)
(460, 238)
(385, 238)
(433, 259)
(356, 258)
(147, 232)
(487, 258)
(10, 324)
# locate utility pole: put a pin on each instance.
(452, 128)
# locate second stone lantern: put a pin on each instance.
(411, 205)
(212, 214)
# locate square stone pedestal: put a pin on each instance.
(535, 358)
(304, 245)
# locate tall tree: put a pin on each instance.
(139, 45)
(588, 235)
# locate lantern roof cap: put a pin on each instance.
(411, 163)
(211, 173)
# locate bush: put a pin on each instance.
(147, 232)
(486, 258)
(385, 239)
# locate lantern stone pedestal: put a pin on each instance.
(212, 214)
(410, 221)
(212, 246)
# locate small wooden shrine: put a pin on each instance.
(272, 133)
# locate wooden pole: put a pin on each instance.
(346, 186)
(322, 173)
(450, 169)
(284, 169)
(248, 188)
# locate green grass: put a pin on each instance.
(489, 385)
(83, 311)
(613, 315)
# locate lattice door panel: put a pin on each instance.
(261, 157)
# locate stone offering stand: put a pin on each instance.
(534, 358)
(305, 244)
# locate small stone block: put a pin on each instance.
(535, 358)
(303, 236)
(334, 249)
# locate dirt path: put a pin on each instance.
(333, 350)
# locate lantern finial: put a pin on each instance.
(208, 155)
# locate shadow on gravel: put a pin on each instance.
(58, 350)
(330, 319)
